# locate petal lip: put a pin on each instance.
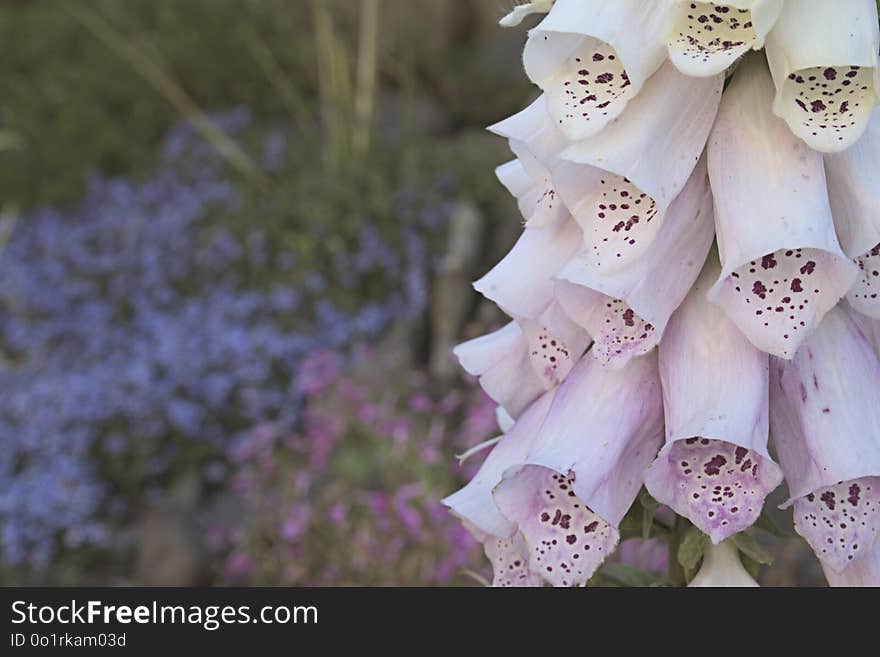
(863, 573)
(812, 50)
(592, 57)
(744, 25)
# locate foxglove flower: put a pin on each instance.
(715, 469)
(522, 284)
(535, 197)
(623, 311)
(722, 568)
(584, 468)
(707, 37)
(591, 57)
(783, 268)
(853, 181)
(619, 184)
(520, 361)
(474, 503)
(825, 421)
(536, 141)
(823, 57)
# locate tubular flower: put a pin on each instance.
(520, 361)
(853, 181)
(827, 432)
(622, 311)
(474, 502)
(783, 268)
(823, 56)
(591, 57)
(707, 37)
(535, 141)
(535, 197)
(626, 167)
(722, 568)
(619, 184)
(522, 283)
(715, 469)
(584, 468)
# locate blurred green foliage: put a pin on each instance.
(75, 106)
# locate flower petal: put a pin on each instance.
(823, 57)
(519, 362)
(853, 180)
(783, 268)
(869, 326)
(521, 284)
(619, 184)
(509, 558)
(864, 572)
(574, 488)
(510, 562)
(840, 522)
(826, 428)
(591, 57)
(864, 296)
(555, 345)
(474, 502)
(566, 540)
(623, 310)
(715, 469)
(707, 37)
(602, 431)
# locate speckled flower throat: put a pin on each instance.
(693, 301)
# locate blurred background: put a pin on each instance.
(236, 245)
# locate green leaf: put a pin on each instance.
(750, 547)
(690, 549)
